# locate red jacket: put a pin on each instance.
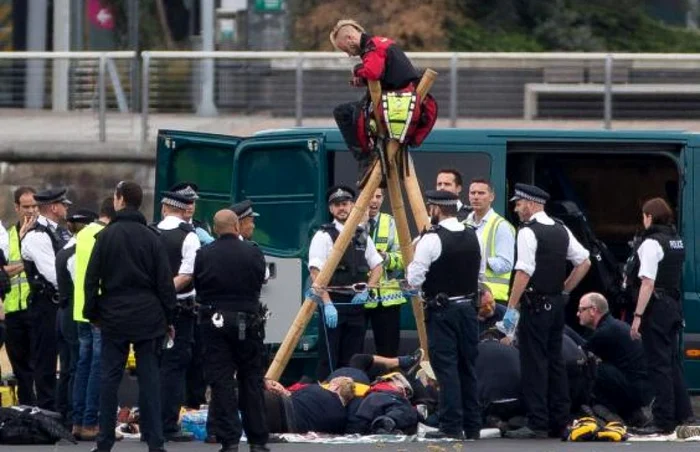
(383, 60)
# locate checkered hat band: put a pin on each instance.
(189, 192)
(246, 213)
(339, 194)
(443, 202)
(529, 197)
(174, 203)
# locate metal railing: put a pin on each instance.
(309, 84)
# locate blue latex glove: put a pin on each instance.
(203, 236)
(410, 293)
(510, 319)
(331, 315)
(312, 295)
(361, 297)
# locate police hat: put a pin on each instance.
(340, 193)
(441, 198)
(185, 186)
(244, 209)
(179, 199)
(51, 196)
(530, 193)
(84, 216)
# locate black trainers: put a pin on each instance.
(414, 360)
(527, 433)
(179, 437)
(259, 448)
(638, 419)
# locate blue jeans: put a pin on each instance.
(86, 388)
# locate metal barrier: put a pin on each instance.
(309, 84)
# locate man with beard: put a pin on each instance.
(342, 328)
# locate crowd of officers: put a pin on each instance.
(89, 286)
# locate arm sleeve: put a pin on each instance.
(189, 250)
(502, 262)
(38, 249)
(71, 267)
(650, 254)
(373, 63)
(428, 250)
(393, 250)
(164, 281)
(259, 265)
(372, 255)
(527, 247)
(92, 282)
(4, 242)
(321, 245)
(576, 253)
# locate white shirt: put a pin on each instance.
(650, 254)
(189, 248)
(70, 264)
(4, 242)
(504, 247)
(527, 246)
(322, 244)
(428, 250)
(37, 247)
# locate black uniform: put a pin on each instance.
(660, 329)
(129, 293)
(228, 277)
(346, 339)
(43, 306)
(68, 345)
(540, 330)
(621, 381)
(175, 360)
(450, 290)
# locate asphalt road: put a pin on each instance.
(482, 445)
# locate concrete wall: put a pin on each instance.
(87, 182)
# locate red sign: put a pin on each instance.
(100, 16)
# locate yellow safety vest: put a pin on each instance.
(382, 230)
(84, 243)
(16, 300)
(499, 283)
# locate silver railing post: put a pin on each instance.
(607, 102)
(145, 94)
(453, 90)
(299, 97)
(102, 97)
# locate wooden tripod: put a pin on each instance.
(420, 216)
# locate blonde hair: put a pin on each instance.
(344, 387)
(342, 24)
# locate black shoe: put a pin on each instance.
(413, 361)
(439, 434)
(366, 162)
(259, 448)
(473, 435)
(210, 439)
(652, 429)
(179, 437)
(527, 433)
(602, 412)
(638, 419)
(231, 448)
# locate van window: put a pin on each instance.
(471, 164)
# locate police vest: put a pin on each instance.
(499, 283)
(16, 299)
(670, 270)
(456, 271)
(63, 277)
(550, 257)
(38, 283)
(173, 240)
(351, 269)
(84, 243)
(393, 266)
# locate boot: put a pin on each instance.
(77, 432)
(526, 433)
(89, 433)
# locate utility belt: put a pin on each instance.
(442, 301)
(248, 324)
(187, 306)
(537, 301)
(661, 294)
(41, 289)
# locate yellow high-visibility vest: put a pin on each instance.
(16, 300)
(84, 243)
(499, 283)
(382, 232)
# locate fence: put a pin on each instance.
(309, 84)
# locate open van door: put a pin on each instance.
(285, 178)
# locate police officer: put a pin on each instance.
(540, 290)
(67, 337)
(497, 238)
(129, 293)
(658, 317)
(246, 223)
(17, 315)
(181, 244)
(446, 264)
(39, 248)
(228, 277)
(200, 228)
(450, 179)
(385, 315)
(343, 328)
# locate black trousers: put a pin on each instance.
(346, 116)
(452, 341)
(114, 354)
(660, 329)
(386, 327)
(173, 372)
(225, 356)
(345, 340)
(544, 381)
(19, 350)
(44, 351)
(68, 351)
(618, 393)
(196, 385)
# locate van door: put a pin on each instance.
(285, 178)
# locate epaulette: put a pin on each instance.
(184, 226)
(326, 227)
(431, 230)
(557, 220)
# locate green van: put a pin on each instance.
(598, 181)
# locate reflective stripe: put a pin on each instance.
(16, 299)
(382, 232)
(17, 281)
(15, 262)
